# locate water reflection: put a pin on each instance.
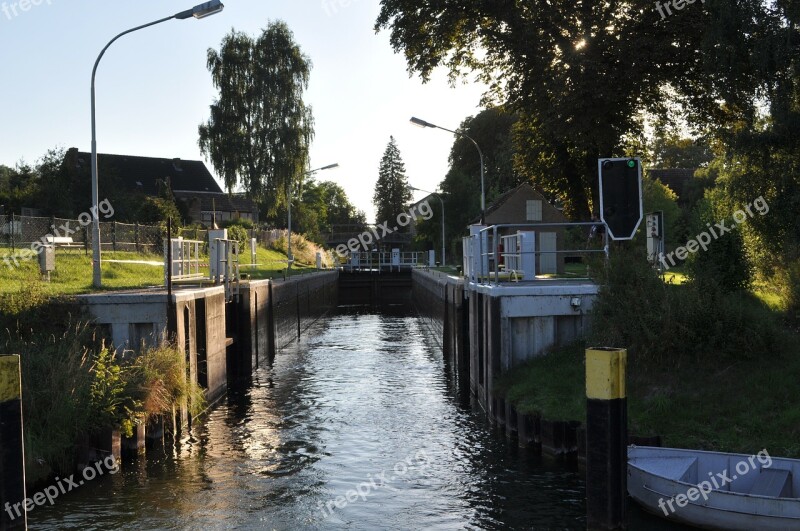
(338, 412)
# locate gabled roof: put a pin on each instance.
(502, 198)
(143, 173)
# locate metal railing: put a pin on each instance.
(225, 266)
(186, 261)
(384, 261)
(512, 261)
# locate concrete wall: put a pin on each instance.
(299, 302)
(223, 341)
(375, 288)
(439, 301)
(487, 331)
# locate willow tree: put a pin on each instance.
(260, 129)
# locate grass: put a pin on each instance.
(738, 407)
(73, 274)
(676, 276)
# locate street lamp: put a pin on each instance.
(444, 261)
(289, 259)
(199, 11)
(423, 123)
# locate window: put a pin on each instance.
(533, 210)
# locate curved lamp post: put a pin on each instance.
(289, 258)
(444, 261)
(422, 123)
(199, 11)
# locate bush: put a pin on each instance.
(724, 262)
(663, 324)
(239, 233)
(159, 382)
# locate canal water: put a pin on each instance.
(358, 426)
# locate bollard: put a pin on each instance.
(12, 455)
(606, 438)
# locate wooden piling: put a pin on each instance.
(13, 515)
(607, 438)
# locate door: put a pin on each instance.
(548, 261)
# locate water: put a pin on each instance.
(362, 408)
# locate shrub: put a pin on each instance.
(663, 324)
(159, 382)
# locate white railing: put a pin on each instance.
(224, 262)
(383, 261)
(492, 257)
(185, 263)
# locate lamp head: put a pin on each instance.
(203, 10)
(421, 123)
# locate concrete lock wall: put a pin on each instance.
(439, 301)
(223, 341)
(503, 327)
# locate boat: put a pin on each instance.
(713, 490)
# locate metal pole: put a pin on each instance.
(96, 269)
(289, 232)
(199, 11)
(444, 261)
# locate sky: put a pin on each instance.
(153, 88)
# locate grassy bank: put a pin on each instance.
(73, 274)
(707, 368)
(739, 407)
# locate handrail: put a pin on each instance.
(485, 271)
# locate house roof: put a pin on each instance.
(502, 198)
(143, 173)
(217, 201)
(674, 178)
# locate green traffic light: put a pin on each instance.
(631, 163)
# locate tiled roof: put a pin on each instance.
(143, 173)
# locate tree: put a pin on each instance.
(391, 191)
(491, 129)
(339, 209)
(581, 75)
(260, 129)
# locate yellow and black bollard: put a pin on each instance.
(12, 455)
(606, 438)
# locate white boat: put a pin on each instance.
(714, 490)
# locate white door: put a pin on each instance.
(548, 261)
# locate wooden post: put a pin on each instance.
(606, 438)
(13, 515)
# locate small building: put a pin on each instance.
(524, 205)
(189, 182)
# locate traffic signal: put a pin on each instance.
(621, 196)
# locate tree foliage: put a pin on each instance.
(391, 195)
(260, 128)
(582, 75)
(461, 187)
